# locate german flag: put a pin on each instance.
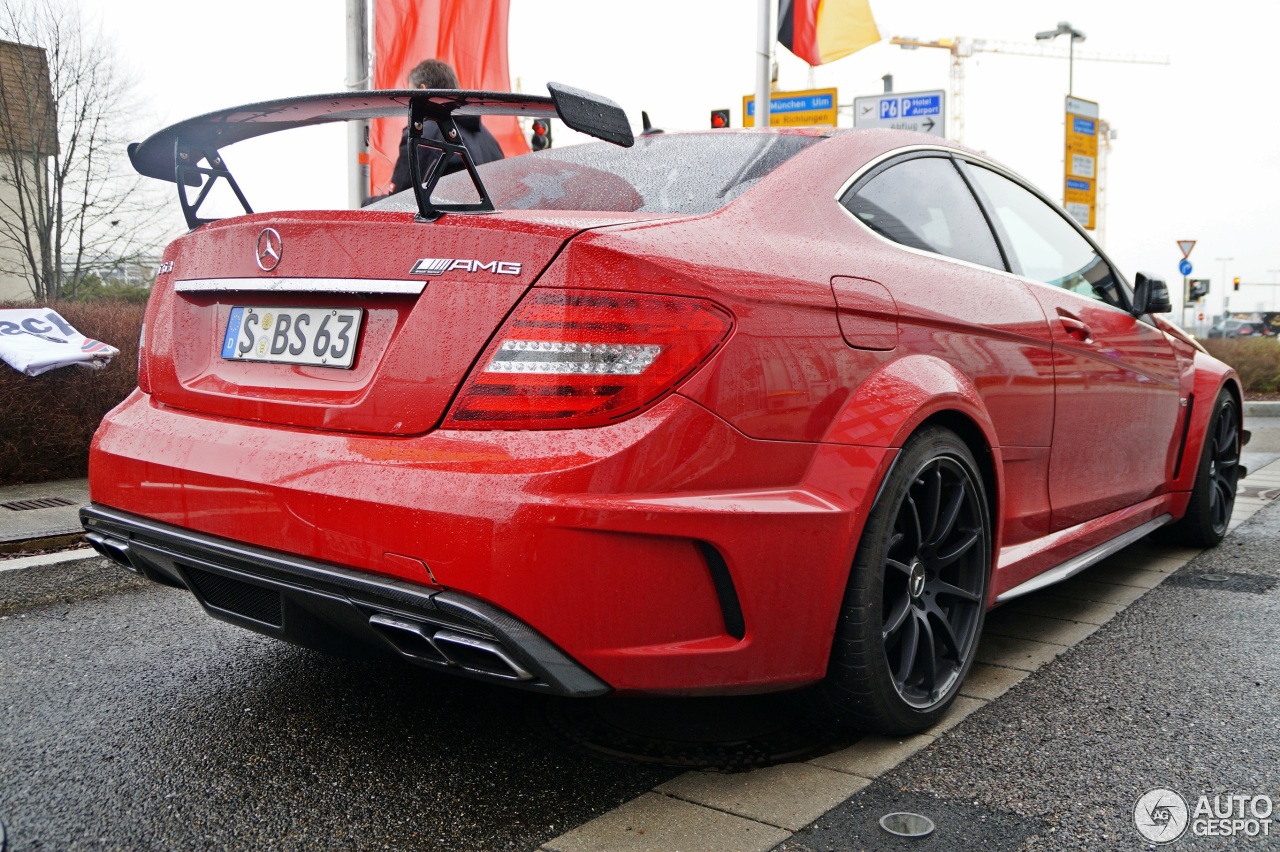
(820, 31)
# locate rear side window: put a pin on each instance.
(1041, 243)
(661, 173)
(924, 203)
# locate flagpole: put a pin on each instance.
(357, 79)
(764, 70)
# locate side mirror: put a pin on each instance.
(1150, 295)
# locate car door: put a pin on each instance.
(955, 302)
(1116, 382)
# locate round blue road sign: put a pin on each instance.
(1184, 267)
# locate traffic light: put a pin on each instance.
(541, 138)
(1235, 283)
(719, 118)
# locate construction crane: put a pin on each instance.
(962, 47)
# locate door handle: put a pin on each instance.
(1077, 329)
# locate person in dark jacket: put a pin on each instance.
(437, 74)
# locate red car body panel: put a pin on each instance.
(771, 452)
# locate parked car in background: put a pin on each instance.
(1239, 328)
(719, 413)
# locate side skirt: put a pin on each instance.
(1076, 564)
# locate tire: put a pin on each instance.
(1213, 497)
(916, 597)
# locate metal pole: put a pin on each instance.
(1071, 63)
(764, 53)
(1225, 292)
(357, 79)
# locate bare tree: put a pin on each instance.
(74, 208)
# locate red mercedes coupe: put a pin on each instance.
(689, 414)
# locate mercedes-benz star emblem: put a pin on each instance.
(270, 248)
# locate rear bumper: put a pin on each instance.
(667, 554)
(328, 607)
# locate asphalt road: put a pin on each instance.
(131, 720)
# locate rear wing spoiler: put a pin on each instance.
(188, 153)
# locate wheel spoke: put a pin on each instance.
(948, 516)
(941, 588)
(896, 617)
(894, 541)
(948, 634)
(1226, 430)
(907, 651)
(899, 566)
(942, 560)
(914, 518)
(928, 654)
(932, 503)
(1220, 503)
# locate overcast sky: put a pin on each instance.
(1195, 158)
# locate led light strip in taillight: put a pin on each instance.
(565, 357)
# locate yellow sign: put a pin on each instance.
(810, 108)
(1080, 183)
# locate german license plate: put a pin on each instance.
(322, 337)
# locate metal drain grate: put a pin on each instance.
(37, 503)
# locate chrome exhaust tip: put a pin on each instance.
(424, 642)
(479, 655)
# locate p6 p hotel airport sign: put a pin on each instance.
(924, 112)
(1080, 183)
(809, 108)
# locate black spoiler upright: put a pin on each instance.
(188, 153)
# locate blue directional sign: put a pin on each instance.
(922, 104)
(924, 112)
(812, 107)
(1184, 267)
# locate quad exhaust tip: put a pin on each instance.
(424, 642)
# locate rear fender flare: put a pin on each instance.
(890, 404)
(902, 396)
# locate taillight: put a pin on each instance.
(144, 376)
(577, 358)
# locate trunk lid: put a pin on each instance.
(429, 296)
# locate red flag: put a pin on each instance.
(471, 35)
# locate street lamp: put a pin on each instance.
(1065, 29)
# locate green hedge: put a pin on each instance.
(49, 419)
(1257, 360)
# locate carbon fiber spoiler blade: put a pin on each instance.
(176, 152)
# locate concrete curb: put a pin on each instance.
(1262, 409)
(42, 559)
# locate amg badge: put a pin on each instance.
(437, 265)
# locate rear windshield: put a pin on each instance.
(684, 173)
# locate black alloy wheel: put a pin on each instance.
(1224, 466)
(1213, 498)
(916, 597)
(935, 575)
